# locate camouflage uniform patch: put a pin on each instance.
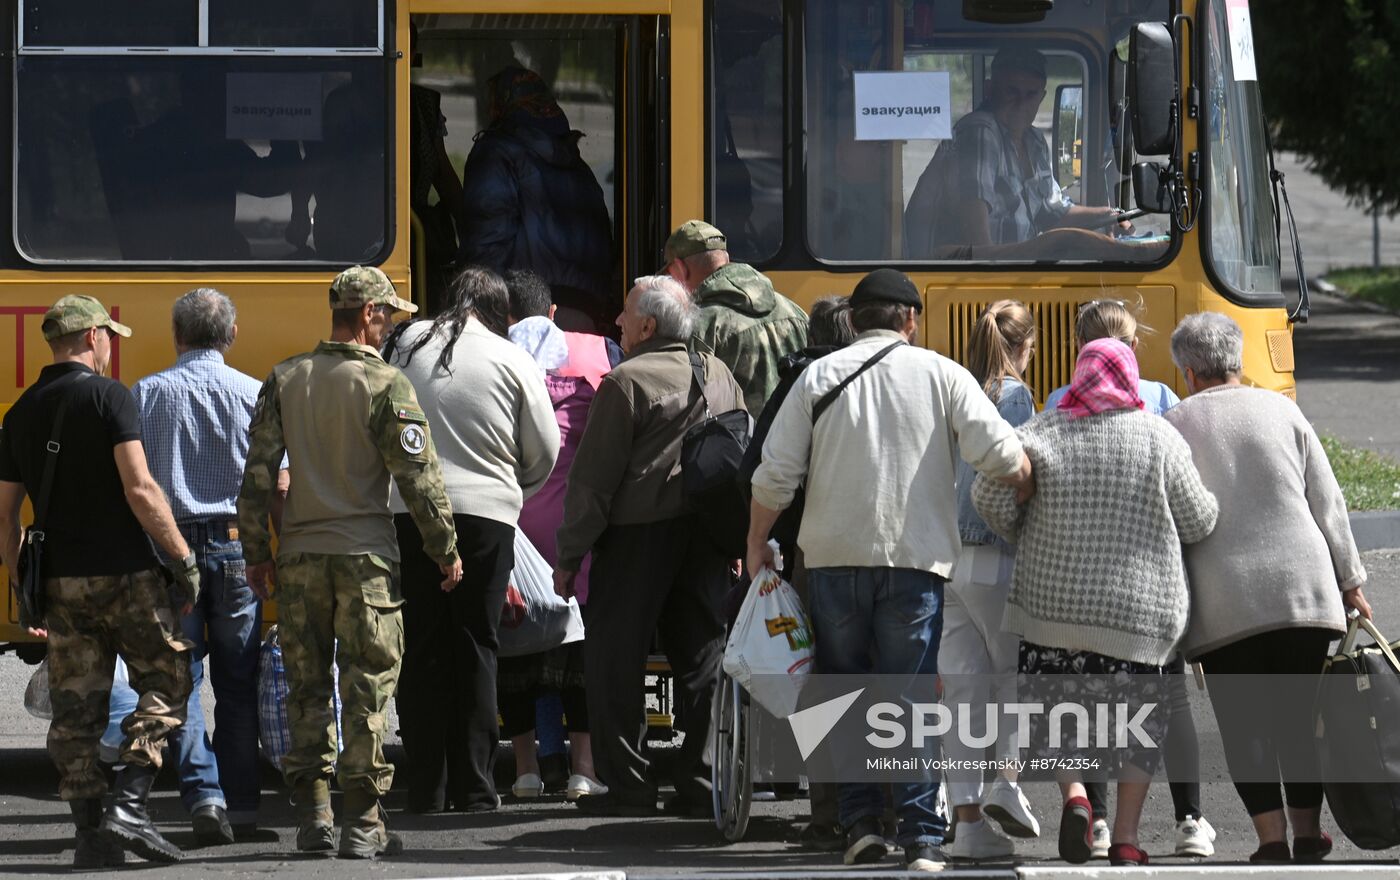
(90, 621)
(356, 599)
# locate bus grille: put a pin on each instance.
(1052, 364)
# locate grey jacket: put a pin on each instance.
(628, 466)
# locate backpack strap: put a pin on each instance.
(41, 503)
(830, 397)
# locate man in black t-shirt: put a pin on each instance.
(106, 592)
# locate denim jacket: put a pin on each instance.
(1016, 407)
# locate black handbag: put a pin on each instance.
(712, 453)
(1358, 738)
(30, 567)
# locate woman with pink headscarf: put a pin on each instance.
(1098, 593)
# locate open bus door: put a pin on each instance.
(610, 75)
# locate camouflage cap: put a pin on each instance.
(77, 312)
(366, 285)
(694, 237)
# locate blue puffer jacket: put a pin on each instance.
(533, 203)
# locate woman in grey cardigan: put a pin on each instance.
(1098, 588)
(1269, 585)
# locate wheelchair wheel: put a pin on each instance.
(731, 773)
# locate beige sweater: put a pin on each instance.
(880, 466)
(1282, 550)
(491, 417)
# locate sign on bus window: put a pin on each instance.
(110, 23)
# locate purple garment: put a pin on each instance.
(543, 512)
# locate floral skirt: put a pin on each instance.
(1091, 680)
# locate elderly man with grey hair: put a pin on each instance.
(1255, 610)
(194, 423)
(652, 565)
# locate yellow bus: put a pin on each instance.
(259, 146)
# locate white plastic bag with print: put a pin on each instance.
(770, 647)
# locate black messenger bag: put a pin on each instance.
(712, 453)
(1358, 738)
(29, 572)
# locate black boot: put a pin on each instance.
(127, 822)
(93, 850)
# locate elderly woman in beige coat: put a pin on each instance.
(1268, 586)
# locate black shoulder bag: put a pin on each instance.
(712, 453)
(30, 568)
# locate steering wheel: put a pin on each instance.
(1119, 218)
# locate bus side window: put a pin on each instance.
(746, 131)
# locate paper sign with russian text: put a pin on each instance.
(903, 106)
(273, 107)
(1241, 40)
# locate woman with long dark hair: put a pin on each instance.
(497, 441)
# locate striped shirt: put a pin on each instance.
(194, 425)
(1020, 207)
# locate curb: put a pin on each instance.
(1376, 529)
(1327, 288)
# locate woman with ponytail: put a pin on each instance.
(977, 658)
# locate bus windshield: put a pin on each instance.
(1241, 239)
(931, 138)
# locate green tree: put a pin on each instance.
(1330, 75)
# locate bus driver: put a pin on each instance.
(993, 183)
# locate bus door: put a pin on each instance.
(603, 76)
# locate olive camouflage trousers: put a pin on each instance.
(91, 620)
(354, 600)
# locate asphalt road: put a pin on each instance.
(549, 835)
(1348, 371)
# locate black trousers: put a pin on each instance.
(1267, 728)
(447, 687)
(664, 576)
(1181, 752)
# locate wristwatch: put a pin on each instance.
(189, 563)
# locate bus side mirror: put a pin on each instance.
(1066, 136)
(1152, 87)
(1150, 190)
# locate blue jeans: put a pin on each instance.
(226, 771)
(882, 621)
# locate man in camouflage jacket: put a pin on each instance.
(347, 421)
(743, 321)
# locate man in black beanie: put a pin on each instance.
(881, 452)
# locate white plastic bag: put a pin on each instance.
(534, 618)
(770, 647)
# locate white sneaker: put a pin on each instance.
(528, 785)
(977, 840)
(1102, 840)
(1195, 837)
(581, 786)
(1007, 805)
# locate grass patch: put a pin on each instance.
(1369, 480)
(1377, 285)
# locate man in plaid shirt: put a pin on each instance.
(194, 419)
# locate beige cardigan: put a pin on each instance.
(1282, 551)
